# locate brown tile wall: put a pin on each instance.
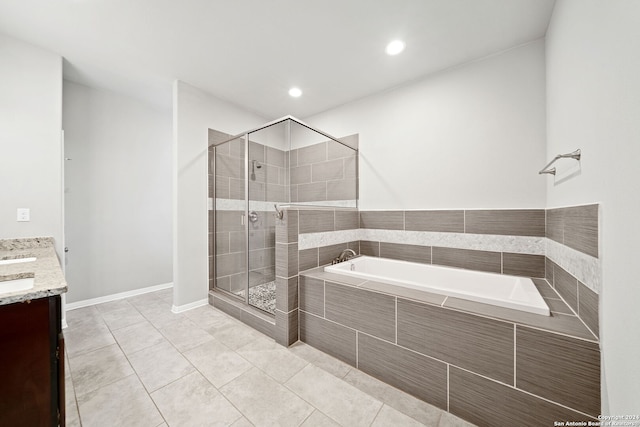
(583, 301)
(529, 222)
(324, 171)
(488, 371)
(509, 222)
(576, 227)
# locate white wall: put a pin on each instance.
(468, 137)
(30, 140)
(194, 112)
(593, 76)
(117, 193)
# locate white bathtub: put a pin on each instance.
(513, 292)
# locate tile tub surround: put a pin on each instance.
(501, 241)
(437, 237)
(46, 271)
(513, 355)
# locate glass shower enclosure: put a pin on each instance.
(283, 163)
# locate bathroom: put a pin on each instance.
(462, 138)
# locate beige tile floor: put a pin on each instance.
(134, 363)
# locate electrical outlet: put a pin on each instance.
(24, 215)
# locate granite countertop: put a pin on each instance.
(46, 271)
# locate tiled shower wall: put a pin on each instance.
(326, 171)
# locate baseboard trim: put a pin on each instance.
(182, 308)
(115, 297)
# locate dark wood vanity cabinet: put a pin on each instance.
(32, 363)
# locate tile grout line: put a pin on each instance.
(396, 313)
(448, 387)
(515, 326)
(357, 352)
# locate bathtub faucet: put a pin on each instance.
(346, 254)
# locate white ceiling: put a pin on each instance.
(250, 52)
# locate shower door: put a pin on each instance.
(266, 185)
(284, 162)
(227, 230)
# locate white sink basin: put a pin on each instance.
(16, 285)
(16, 260)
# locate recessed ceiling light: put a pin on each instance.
(295, 92)
(395, 47)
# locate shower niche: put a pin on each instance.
(254, 174)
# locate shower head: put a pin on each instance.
(254, 165)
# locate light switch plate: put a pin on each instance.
(24, 214)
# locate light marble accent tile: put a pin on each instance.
(341, 401)
(485, 242)
(450, 420)
(277, 362)
(239, 205)
(124, 402)
(122, 317)
(328, 203)
(136, 337)
(192, 401)
(217, 362)
(159, 365)
(390, 417)
(98, 368)
(314, 240)
(87, 337)
(405, 403)
(320, 359)
(585, 268)
(318, 419)
(265, 402)
(185, 334)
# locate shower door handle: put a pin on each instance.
(253, 216)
